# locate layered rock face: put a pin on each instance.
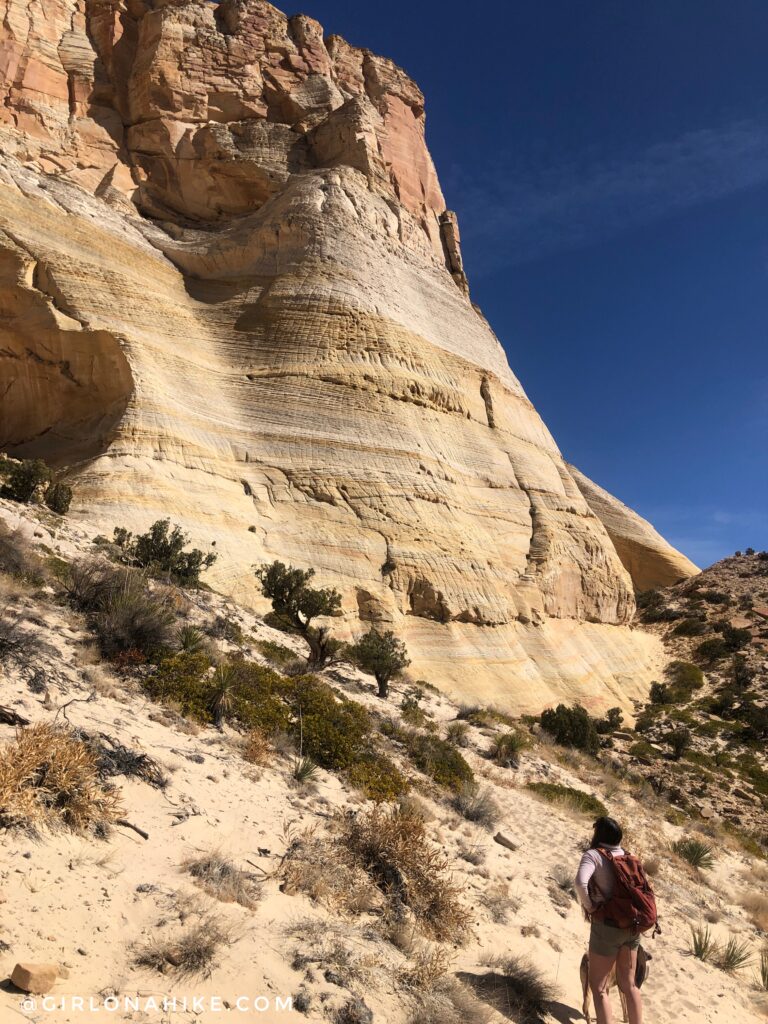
(231, 293)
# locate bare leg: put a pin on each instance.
(600, 968)
(626, 964)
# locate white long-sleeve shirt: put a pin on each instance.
(595, 879)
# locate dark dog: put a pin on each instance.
(641, 973)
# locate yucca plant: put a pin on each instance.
(702, 946)
(763, 979)
(698, 853)
(190, 640)
(733, 956)
(304, 768)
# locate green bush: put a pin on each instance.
(129, 619)
(457, 733)
(24, 479)
(568, 797)
(571, 727)
(378, 778)
(612, 721)
(711, 651)
(659, 693)
(238, 691)
(161, 551)
(689, 627)
(333, 731)
(683, 678)
(58, 498)
(278, 654)
(679, 740)
(715, 597)
(438, 759)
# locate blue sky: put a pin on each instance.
(609, 164)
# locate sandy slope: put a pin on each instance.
(90, 904)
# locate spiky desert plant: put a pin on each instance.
(733, 956)
(304, 769)
(702, 945)
(696, 852)
(763, 970)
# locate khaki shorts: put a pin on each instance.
(607, 941)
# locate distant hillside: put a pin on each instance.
(713, 699)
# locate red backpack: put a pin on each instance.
(632, 905)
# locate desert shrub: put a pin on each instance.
(224, 627)
(18, 558)
(733, 956)
(321, 868)
(131, 618)
(679, 740)
(565, 796)
(499, 903)
(683, 678)
(114, 758)
(392, 847)
(742, 674)
(257, 748)
(735, 638)
(756, 905)
(193, 952)
(571, 727)
(378, 778)
(449, 1002)
(354, 1011)
(438, 759)
(641, 749)
(476, 803)
(295, 604)
(506, 749)
(50, 779)
(222, 879)
(278, 654)
(161, 552)
(238, 691)
(711, 651)
(457, 733)
(612, 721)
(332, 730)
(58, 498)
(702, 944)
(695, 851)
(381, 654)
(25, 479)
(715, 597)
(689, 627)
(659, 693)
(410, 707)
(516, 986)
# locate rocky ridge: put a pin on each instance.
(230, 289)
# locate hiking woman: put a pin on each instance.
(609, 944)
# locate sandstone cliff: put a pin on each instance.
(231, 292)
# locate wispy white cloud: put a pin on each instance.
(525, 207)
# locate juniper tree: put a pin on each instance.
(296, 604)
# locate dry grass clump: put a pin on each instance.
(325, 946)
(50, 779)
(192, 953)
(393, 849)
(499, 903)
(256, 748)
(313, 865)
(18, 557)
(515, 986)
(449, 1002)
(756, 905)
(428, 966)
(476, 803)
(568, 798)
(220, 878)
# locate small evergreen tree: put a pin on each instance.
(58, 498)
(296, 604)
(381, 654)
(161, 551)
(679, 741)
